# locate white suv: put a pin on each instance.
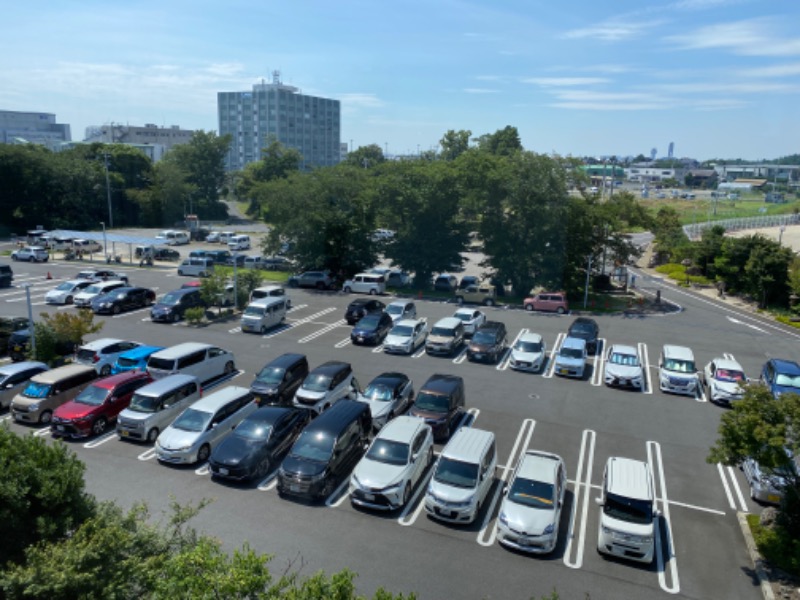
(30, 254)
(102, 354)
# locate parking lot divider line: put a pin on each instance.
(489, 522)
(270, 482)
(713, 511)
(42, 432)
(414, 507)
(583, 490)
(725, 485)
(339, 495)
(648, 387)
(660, 487)
(101, 440)
(471, 416)
(203, 470)
(343, 343)
(147, 454)
(419, 353)
(738, 490)
(551, 366)
(378, 349)
(598, 363)
(461, 356)
(502, 364)
(728, 356)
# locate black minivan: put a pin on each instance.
(277, 382)
(326, 451)
(440, 401)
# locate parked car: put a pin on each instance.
(530, 514)
(102, 275)
(397, 279)
(173, 305)
(30, 254)
(47, 390)
(134, 359)
(388, 395)
(570, 361)
(83, 299)
(394, 464)
(472, 319)
(440, 402)
(768, 485)
(365, 283)
(213, 237)
(371, 329)
(585, 329)
(157, 253)
(528, 353)
(360, 307)
(467, 281)
(82, 246)
(677, 372)
(485, 294)
(14, 377)
(624, 368)
(97, 405)
(278, 380)
(8, 325)
(122, 299)
(781, 376)
(103, 353)
(446, 336)
(6, 276)
(271, 291)
(320, 280)
(724, 379)
(204, 361)
(445, 283)
(258, 443)
(19, 345)
(401, 309)
(326, 385)
(64, 293)
(547, 301)
(406, 336)
(276, 263)
(489, 342)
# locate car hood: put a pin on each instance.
(427, 414)
(480, 347)
(364, 330)
(532, 521)
(57, 294)
(728, 387)
(172, 439)
(623, 371)
(378, 475)
(160, 308)
(569, 362)
(377, 408)
(522, 356)
(236, 451)
(441, 339)
(299, 466)
(396, 340)
(74, 410)
(450, 493)
(264, 388)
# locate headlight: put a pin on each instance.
(391, 489)
(320, 477)
(549, 529)
(503, 518)
(33, 407)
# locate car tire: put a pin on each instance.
(489, 302)
(263, 330)
(175, 317)
(115, 310)
(229, 367)
(180, 272)
(68, 300)
(32, 259)
(560, 310)
(203, 453)
(430, 456)
(46, 417)
(320, 285)
(292, 284)
(105, 371)
(347, 289)
(152, 435)
(373, 291)
(99, 426)
(406, 494)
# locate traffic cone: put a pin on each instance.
(49, 276)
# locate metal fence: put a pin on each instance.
(695, 230)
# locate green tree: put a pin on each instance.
(454, 143)
(670, 239)
(503, 142)
(42, 496)
(366, 157)
(212, 288)
(277, 161)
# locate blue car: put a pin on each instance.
(371, 329)
(134, 360)
(781, 376)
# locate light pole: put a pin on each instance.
(780, 235)
(108, 192)
(105, 243)
(588, 272)
(31, 328)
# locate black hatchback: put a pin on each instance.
(279, 379)
(586, 329)
(360, 307)
(121, 299)
(173, 305)
(372, 329)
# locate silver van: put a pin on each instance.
(366, 283)
(154, 406)
(199, 428)
(263, 314)
(239, 242)
(462, 477)
(204, 361)
(677, 372)
(271, 291)
(13, 378)
(196, 267)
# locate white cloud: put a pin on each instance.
(753, 37)
(785, 70)
(360, 100)
(480, 91)
(564, 81)
(613, 30)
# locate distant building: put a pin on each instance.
(32, 128)
(703, 177)
(647, 174)
(155, 152)
(117, 133)
(774, 173)
(274, 111)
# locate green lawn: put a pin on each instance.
(702, 209)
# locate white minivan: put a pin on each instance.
(263, 314)
(365, 283)
(271, 291)
(204, 361)
(196, 267)
(677, 372)
(463, 476)
(239, 242)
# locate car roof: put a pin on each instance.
(408, 322)
(583, 321)
(726, 363)
(159, 386)
(466, 311)
(54, 375)
(402, 303)
(401, 429)
(185, 290)
(140, 351)
(331, 367)
(359, 302)
(468, 444)
(180, 349)
(285, 360)
(530, 336)
(390, 376)
(213, 402)
(623, 349)
(270, 414)
(101, 343)
(341, 414)
(629, 478)
(785, 366)
(14, 368)
(114, 380)
(539, 466)
(491, 326)
(439, 383)
(448, 323)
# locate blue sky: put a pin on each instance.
(719, 78)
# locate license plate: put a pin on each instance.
(564, 371)
(60, 427)
(17, 348)
(294, 488)
(124, 433)
(369, 497)
(773, 498)
(445, 513)
(360, 339)
(479, 356)
(223, 471)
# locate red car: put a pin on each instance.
(90, 412)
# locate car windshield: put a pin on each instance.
(256, 311)
(65, 287)
(369, 322)
(144, 404)
(788, 380)
(378, 391)
(255, 431)
(402, 331)
(92, 395)
(317, 383)
(523, 346)
(394, 309)
(457, 473)
(270, 375)
(729, 375)
(389, 452)
(536, 494)
(442, 331)
(483, 337)
(170, 299)
(124, 361)
(581, 329)
(628, 509)
(192, 420)
(432, 402)
(571, 353)
(314, 446)
(36, 390)
(626, 360)
(679, 366)
(463, 316)
(93, 289)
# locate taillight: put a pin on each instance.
(96, 358)
(200, 389)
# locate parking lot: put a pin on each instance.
(700, 549)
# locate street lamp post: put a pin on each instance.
(235, 282)
(780, 235)
(105, 242)
(31, 328)
(586, 288)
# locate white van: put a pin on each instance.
(271, 291)
(239, 242)
(204, 361)
(463, 476)
(154, 406)
(627, 510)
(263, 314)
(196, 267)
(226, 236)
(178, 238)
(203, 425)
(366, 283)
(677, 372)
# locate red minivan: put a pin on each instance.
(90, 412)
(549, 301)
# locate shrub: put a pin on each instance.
(776, 546)
(194, 315)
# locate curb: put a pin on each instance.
(755, 557)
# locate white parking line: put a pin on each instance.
(502, 364)
(460, 356)
(132, 312)
(738, 490)
(147, 454)
(339, 495)
(320, 332)
(648, 385)
(377, 349)
(598, 362)
(101, 440)
(342, 343)
(728, 356)
(670, 560)
(420, 352)
(294, 308)
(489, 523)
(203, 470)
(42, 432)
(270, 482)
(551, 366)
(581, 500)
(235, 330)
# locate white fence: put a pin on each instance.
(695, 230)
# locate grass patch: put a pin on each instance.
(678, 273)
(267, 276)
(776, 546)
(702, 210)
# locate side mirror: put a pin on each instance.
(505, 490)
(599, 501)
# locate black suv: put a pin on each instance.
(361, 307)
(6, 276)
(278, 380)
(488, 343)
(8, 325)
(585, 329)
(440, 402)
(173, 305)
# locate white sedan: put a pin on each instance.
(528, 352)
(65, 292)
(402, 309)
(531, 510)
(394, 463)
(471, 318)
(624, 368)
(724, 378)
(406, 336)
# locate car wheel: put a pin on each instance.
(489, 302)
(292, 284)
(229, 367)
(148, 301)
(559, 310)
(152, 435)
(203, 453)
(32, 259)
(115, 310)
(105, 371)
(320, 285)
(373, 291)
(180, 272)
(68, 300)
(175, 317)
(346, 290)
(430, 456)
(46, 417)
(263, 330)
(99, 426)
